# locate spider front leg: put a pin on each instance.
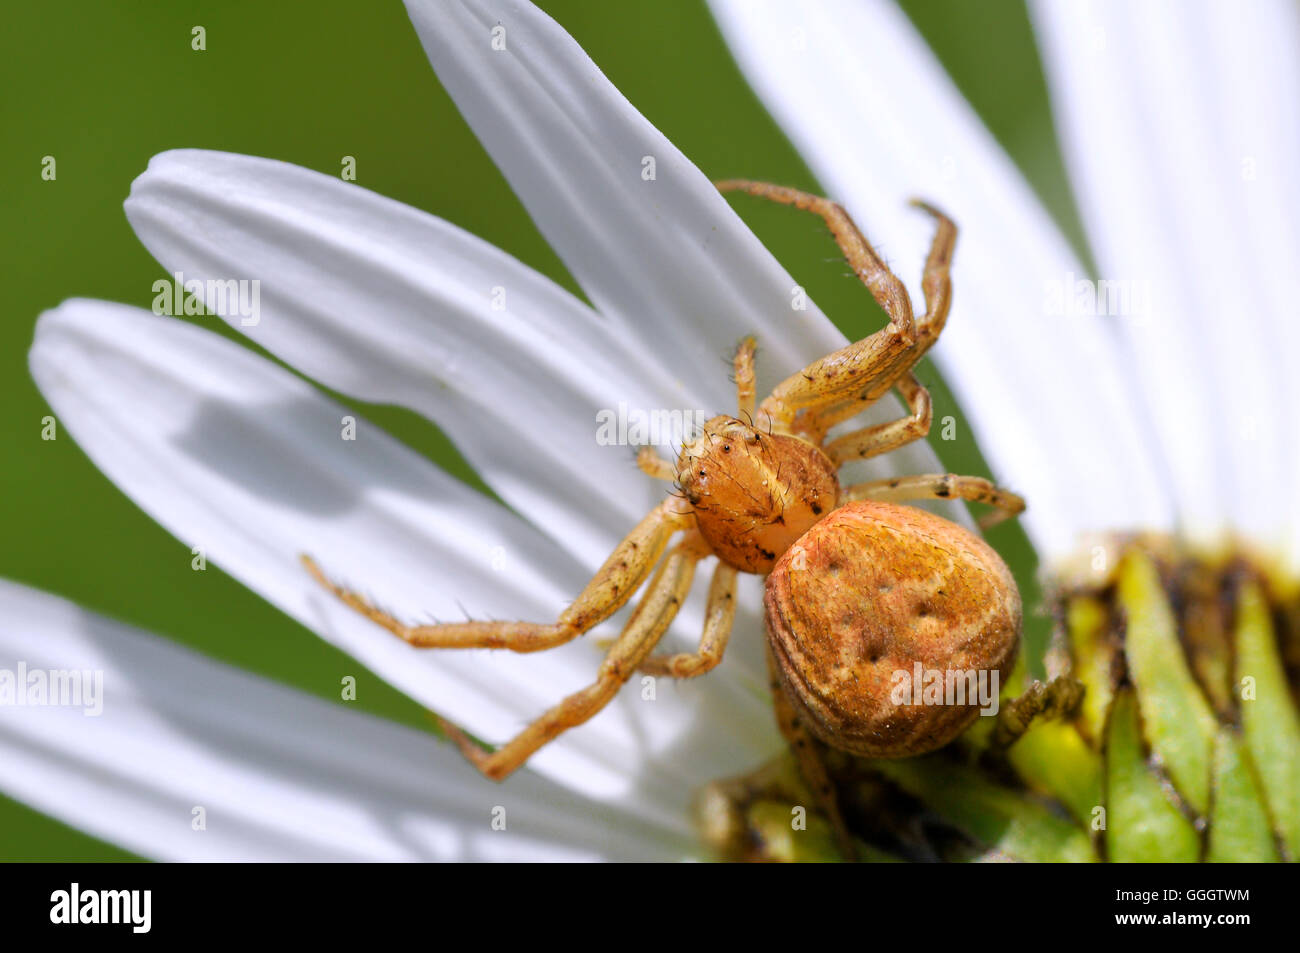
(866, 369)
(653, 615)
(649, 460)
(743, 373)
(936, 282)
(936, 279)
(862, 258)
(881, 438)
(653, 465)
(611, 587)
(942, 486)
(867, 365)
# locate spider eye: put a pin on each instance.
(726, 448)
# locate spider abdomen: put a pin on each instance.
(891, 628)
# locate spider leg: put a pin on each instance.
(868, 365)
(941, 486)
(743, 364)
(882, 438)
(719, 616)
(862, 258)
(936, 282)
(611, 587)
(936, 279)
(808, 754)
(862, 372)
(654, 613)
(651, 464)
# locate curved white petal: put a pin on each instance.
(280, 776)
(386, 303)
(1181, 128)
(864, 100)
(663, 257)
(237, 456)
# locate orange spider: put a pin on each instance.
(858, 588)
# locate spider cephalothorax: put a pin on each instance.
(753, 493)
(858, 589)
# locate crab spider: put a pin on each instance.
(762, 494)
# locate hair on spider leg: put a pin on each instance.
(428, 618)
(366, 596)
(461, 606)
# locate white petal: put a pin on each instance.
(872, 112)
(281, 776)
(386, 303)
(664, 258)
(237, 456)
(1179, 122)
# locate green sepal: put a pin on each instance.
(1239, 828)
(1001, 819)
(1055, 760)
(1270, 725)
(773, 822)
(1092, 652)
(1143, 825)
(1176, 718)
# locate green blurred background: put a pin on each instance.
(102, 87)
